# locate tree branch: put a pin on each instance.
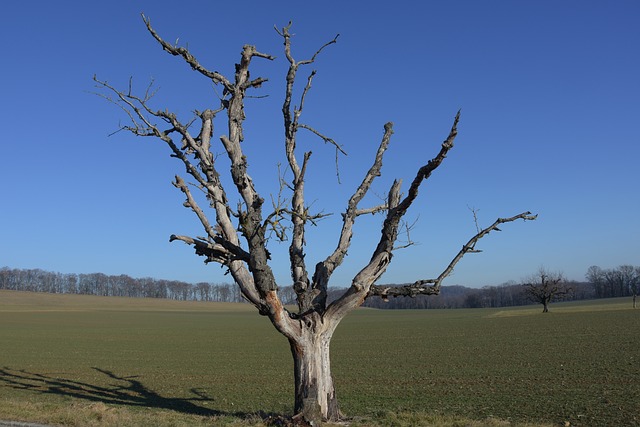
(372, 210)
(382, 255)
(432, 286)
(325, 269)
(193, 205)
(188, 57)
(325, 138)
(307, 296)
(214, 252)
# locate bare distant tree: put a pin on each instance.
(236, 236)
(635, 286)
(544, 287)
(595, 276)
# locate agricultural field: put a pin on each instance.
(80, 360)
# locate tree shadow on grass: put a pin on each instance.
(126, 390)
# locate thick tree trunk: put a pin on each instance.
(315, 396)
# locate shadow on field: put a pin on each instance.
(124, 391)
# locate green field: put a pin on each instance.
(79, 360)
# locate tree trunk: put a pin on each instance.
(545, 304)
(315, 396)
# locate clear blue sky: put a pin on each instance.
(550, 99)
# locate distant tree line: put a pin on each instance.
(100, 284)
(622, 281)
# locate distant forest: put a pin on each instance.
(602, 284)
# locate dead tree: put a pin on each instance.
(544, 287)
(236, 237)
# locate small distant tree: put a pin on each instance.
(236, 235)
(635, 286)
(629, 278)
(545, 287)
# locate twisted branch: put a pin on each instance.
(432, 286)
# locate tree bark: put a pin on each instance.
(315, 395)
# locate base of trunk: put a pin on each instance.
(312, 414)
(315, 396)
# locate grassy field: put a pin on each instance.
(79, 360)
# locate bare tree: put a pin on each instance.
(544, 287)
(635, 285)
(595, 276)
(236, 237)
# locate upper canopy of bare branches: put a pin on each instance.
(236, 236)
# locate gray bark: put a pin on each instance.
(315, 394)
